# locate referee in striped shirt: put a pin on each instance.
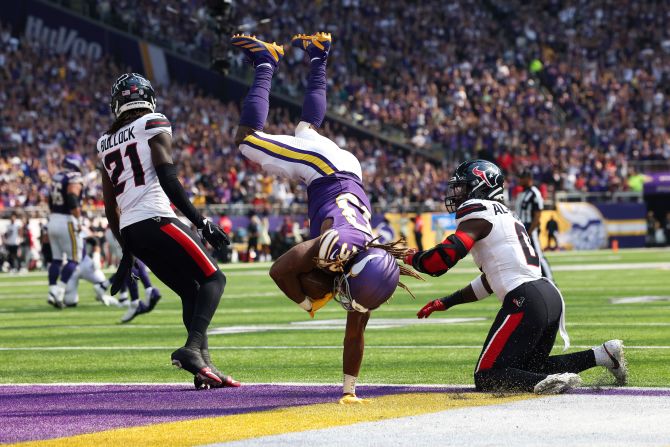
(529, 206)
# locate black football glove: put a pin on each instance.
(213, 234)
(124, 272)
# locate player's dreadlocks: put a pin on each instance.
(126, 118)
(396, 249)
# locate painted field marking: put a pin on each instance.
(639, 299)
(251, 348)
(278, 421)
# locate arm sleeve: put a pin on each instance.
(167, 176)
(439, 259)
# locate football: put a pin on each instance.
(316, 284)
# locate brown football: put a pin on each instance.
(316, 284)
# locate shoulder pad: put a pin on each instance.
(473, 209)
(155, 121)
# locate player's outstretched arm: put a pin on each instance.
(475, 291)
(352, 356)
(161, 156)
(286, 270)
(439, 259)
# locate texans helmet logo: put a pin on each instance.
(482, 175)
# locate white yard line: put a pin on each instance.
(251, 348)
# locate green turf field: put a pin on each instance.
(86, 344)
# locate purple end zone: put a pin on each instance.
(53, 411)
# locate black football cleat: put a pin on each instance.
(154, 298)
(226, 381)
(191, 360)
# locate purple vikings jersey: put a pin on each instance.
(339, 197)
(58, 192)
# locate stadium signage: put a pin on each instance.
(61, 39)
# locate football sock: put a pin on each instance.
(67, 271)
(54, 271)
(573, 363)
(143, 274)
(257, 102)
(206, 303)
(131, 284)
(314, 103)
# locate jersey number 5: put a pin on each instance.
(114, 165)
(526, 246)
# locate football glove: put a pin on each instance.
(318, 304)
(124, 272)
(430, 308)
(213, 234)
(352, 399)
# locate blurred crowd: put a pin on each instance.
(51, 104)
(574, 89)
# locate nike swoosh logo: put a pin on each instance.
(614, 360)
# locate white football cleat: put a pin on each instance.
(56, 296)
(107, 300)
(610, 355)
(557, 383)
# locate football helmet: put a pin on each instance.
(132, 91)
(474, 179)
(73, 162)
(369, 280)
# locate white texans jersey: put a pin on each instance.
(506, 256)
(126, 156)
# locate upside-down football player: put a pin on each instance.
(341, 243)
(515, 356)
(139, 181)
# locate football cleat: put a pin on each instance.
(107, 300)
(226, 381)
(135, 308)
(352, 399)
(55, 298)
(318, 304)
(191, 360)
(317, 46)
(154, 298)
(610, 355)
(257, 51)
(557, 383)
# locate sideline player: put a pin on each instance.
(139, 181)
(63, 227)
(529, 206)
(516, 352)
(365, 274)
(136, 306)
(89, 270)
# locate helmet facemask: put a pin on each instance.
(457, 193)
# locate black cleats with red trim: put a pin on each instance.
(191, 360)
(226, 381)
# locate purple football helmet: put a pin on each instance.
(371, 279)
(73, 162)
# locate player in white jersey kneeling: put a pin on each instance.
(515, 356)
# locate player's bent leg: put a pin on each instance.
(514, 335)
(71, 296)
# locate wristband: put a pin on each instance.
(349, 386)
(479, 288)
(306, 305)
